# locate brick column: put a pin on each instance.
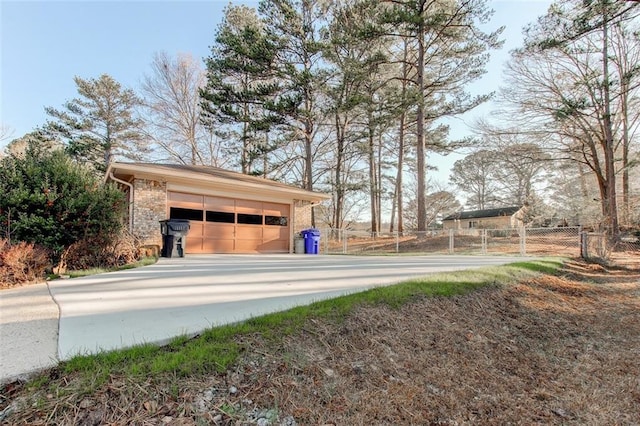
(149, 207)
(301, 215)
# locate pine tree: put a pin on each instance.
(296, 25)
(450, 51)
(101, 125)
(241, 87)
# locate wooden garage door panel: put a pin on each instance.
(271, 209)
(276, 233)
(217, 246)
(222, 231)
(248, 246)
(195, 228)
(194, 238)
(219, 204)
(179, 199)
(275, 246)
(250, 207)
(193, 245)
(224, 237)
(249, 232)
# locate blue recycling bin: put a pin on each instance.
(311, 240)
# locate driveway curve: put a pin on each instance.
(185, 296)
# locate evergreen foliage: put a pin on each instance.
(48, 199)
(241, 90)
(100, 125)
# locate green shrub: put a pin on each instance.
(48, 199)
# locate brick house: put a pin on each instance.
(229, 212)
(501, 218)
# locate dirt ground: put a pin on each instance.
(553, 350)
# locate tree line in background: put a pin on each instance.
(348, 97)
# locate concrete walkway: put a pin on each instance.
(186, 296)
(28, 331)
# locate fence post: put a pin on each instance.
(580, 239)
(484, 241)
(450, 241)
(523, 241)
(330, 235)
(344, 241)
(584, 253)
(325, 232)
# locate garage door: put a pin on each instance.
(226, 225)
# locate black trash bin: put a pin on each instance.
(174, 233)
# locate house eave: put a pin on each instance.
(127, 171)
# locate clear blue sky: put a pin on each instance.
(46, 43)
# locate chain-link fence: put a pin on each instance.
(563, 241)
(598, 245)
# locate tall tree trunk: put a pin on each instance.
(108, 149)
(612, 207)
(420, 142)
(379, 183)
(265, 157)
(400, 164)
(193, 142)
(399, 177)
(584, 187)
(394, 201)
(338, 189)
(308, 163)
(244, 157)
(372, 175)
(625, 155)
(625, 66)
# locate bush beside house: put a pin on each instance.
(51, 204)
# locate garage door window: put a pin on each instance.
(275, 220)
(249, 219)
(221, 217)
(189, 214)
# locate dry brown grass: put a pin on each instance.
(536, 245)
(552, 350)
(22, 263)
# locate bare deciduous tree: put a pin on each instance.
(5, 132)
(565, 71)
(172, 106)
(474, 175)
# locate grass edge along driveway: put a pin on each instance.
(217, 350)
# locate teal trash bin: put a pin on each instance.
(311, 240)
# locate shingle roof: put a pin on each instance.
(478, 214)
(215, 172)
(210, 173)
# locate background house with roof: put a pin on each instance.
(499, 218)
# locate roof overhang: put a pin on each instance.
(227, 181)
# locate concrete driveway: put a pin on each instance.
(188, 295)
